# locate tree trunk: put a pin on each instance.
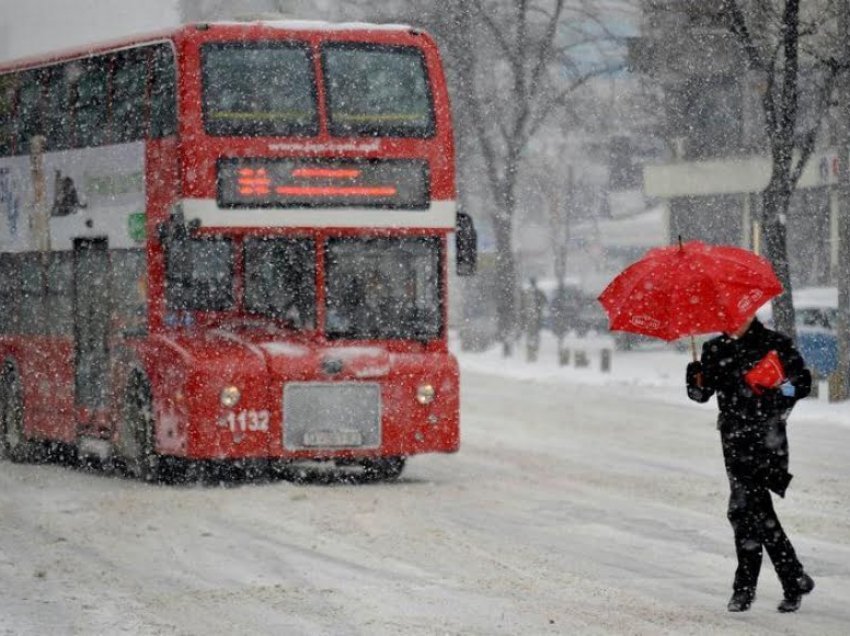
(843, 268)
(506, 289)
(776, 200)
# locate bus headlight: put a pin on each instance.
(425, 394)
(229, 396)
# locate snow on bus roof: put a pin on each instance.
(314, 25)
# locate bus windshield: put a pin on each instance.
(377, 90)
(280, 275)
(383, 288)
(258, 89)
(200, 275)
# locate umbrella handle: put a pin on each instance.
(698, 378)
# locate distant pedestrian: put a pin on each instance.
(563, 312)
(758, 376)
(533, 306)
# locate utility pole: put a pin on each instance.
(842, 381)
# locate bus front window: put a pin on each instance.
(377, 91)
(280, 275)
(263, 89)
(383, 288)
(200, 274)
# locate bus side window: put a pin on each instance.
(27, 121)
(57, 122)
(163, 93)
(32, 314)
(10, 285)
(129, 112)
(60, 277)
(7, 105)
(91, 113)
(129, 291)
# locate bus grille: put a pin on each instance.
(331, 415)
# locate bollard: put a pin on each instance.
(815, 386)
(581, 359)
(605, 360)
(835, 388)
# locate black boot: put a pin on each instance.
(741, 600)
(803, 585)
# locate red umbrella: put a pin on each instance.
(689, 289)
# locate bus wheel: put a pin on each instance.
(13, 442)
(138, 431)
(383, 468)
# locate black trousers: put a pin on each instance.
(757, 528)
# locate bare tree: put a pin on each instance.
(556, 201)
(777, 39)
(843, 145)
(522, 61)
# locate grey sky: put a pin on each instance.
(39, 26)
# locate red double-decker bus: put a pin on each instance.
(229, 241)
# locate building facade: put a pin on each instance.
(719, 162)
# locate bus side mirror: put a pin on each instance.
(466, 244)
(176, 229)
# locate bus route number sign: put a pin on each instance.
(245, 421)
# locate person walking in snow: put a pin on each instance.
(534, 304)
(752, 425)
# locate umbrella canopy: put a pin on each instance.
(688, 289)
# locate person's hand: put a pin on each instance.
(693, 373)
(775, 400)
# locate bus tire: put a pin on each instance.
(14, 444)
(142, 460)
(383, 468)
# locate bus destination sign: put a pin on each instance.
(317, 183)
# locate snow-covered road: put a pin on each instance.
(571, 509)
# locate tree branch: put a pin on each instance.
(738, 26)
(494, 28)
(807, 146)
(789, 96)
(560, 99)
(545, 51)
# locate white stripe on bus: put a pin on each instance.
(441, 214)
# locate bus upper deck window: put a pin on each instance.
(163, 92)
(258, 89)
(377, 91)
(90, 103)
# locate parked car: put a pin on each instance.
(816, 320)
(585, 315)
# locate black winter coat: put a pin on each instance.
(752, 427)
